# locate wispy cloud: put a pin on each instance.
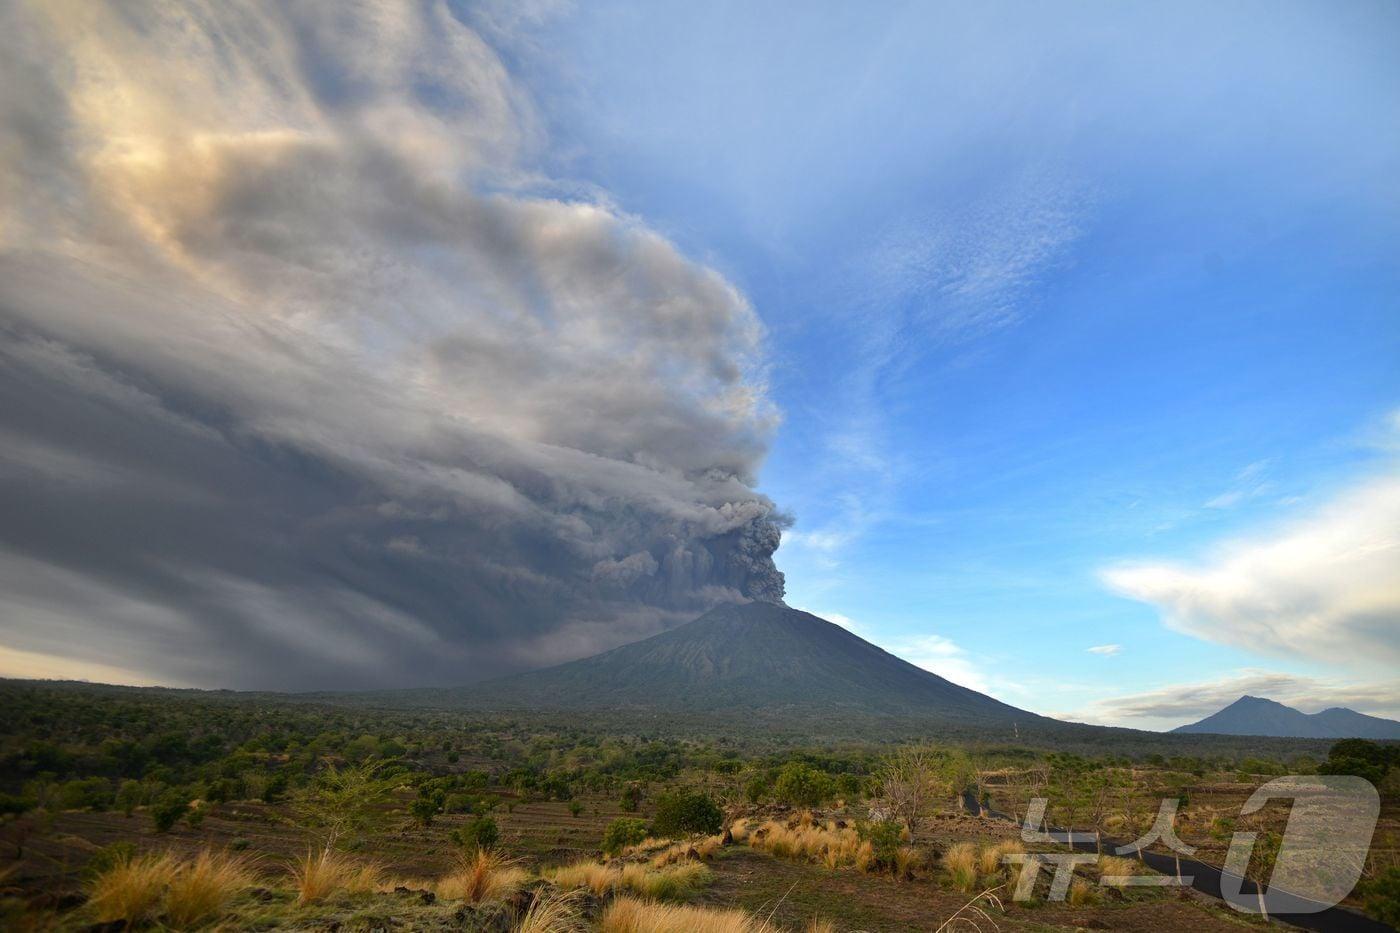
(944, 657)
(1107, 651)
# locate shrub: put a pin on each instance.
(1381, 896)
(168, 809)
(129, 796)
(631, 797)
(480, 833)
(423, 809)
(679, 812)
(758, 788)
(803, 786)
(885, 838)
(575, 808)
(623, 832)
(108, 857)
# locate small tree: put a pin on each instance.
(623, 832)
(908, 781)
(343, 805)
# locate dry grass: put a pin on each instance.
(557, 914)
(739, 830)
(825, 845)
(321, 874)
(1113, 867)
(960, 865)
(673, 882)
(485, 876)
(907, 860)
(201, 890)
(596, 877)
(681, 851)
(1081, 893)
(132, 890)
(864, 859)
(817, 925)
(629, 915)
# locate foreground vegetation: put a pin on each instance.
(187, 811)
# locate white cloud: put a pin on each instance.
(1326, 587)
(943, 657)
(1178, 704)
(1107, 651)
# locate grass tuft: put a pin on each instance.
(629, 915)
(131, 890)
(558, 913)
(960, 865)
(485, 876)
(200, 891)
(323, 873)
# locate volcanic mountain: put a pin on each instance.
(1258, 716)
(751, 657)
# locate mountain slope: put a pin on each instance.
(756, 656)
(1258, 716)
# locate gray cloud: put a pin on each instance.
(306, 380)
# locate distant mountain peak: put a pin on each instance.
(1251, 715)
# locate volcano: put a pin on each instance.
(751, 657)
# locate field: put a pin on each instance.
(97, 783)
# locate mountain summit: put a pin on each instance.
(755, 656)
(1259, 716)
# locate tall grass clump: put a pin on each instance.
(596, 877)
(629, 915)
(131, 890)
(200, 891)
(558, 913)
(960, 865)
(325, 872)
(1112, 868)
(485, 876)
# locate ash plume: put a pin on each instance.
(309, 379)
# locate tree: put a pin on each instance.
(680, 812)
(907, 782)
(344, 805)
(623, 832)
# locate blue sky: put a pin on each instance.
(1047, 289)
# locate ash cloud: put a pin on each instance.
(308, 381)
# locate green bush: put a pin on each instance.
(623, 832)
(480, 833)
(423, 810)
(1381, 895)
(803, 786)
(168, 809)
(631, 797)
(885, 837)
(679, 812)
